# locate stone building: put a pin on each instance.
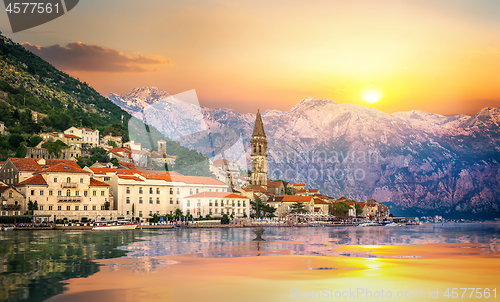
(258, 154)
(12, 202)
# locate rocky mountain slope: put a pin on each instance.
(417, 161)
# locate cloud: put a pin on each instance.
(78, 56)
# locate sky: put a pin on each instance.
(440, 56)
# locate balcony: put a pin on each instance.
(11, 207)
(69, 199)
(69, 185)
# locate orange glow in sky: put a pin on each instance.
(440, 56)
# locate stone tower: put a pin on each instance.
(162, 146)
(259, 153)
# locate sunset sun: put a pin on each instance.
(372, 96)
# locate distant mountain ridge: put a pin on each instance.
(419, 162)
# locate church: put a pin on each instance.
(258, 154)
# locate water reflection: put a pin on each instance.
(230, 242)
(35, 264)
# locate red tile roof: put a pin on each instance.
(35, 180)
(64, 168)
(216, 195)
(26, 164)
(313, 190)
(128, 165)
(259, 189)
(95, 182)
(293, 198)
(130, 177)
(53, 162)
(302, 191)
(72, 136)
(113, 171)
(298, 185)
(273, 184)
(319, 201)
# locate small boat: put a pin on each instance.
(368, 224)
(114, 225)
(7, 228)
(393, 224)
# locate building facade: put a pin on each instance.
(88, 136)
(217, 204)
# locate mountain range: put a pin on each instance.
(418, 162)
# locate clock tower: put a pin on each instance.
(259, 153)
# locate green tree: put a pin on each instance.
(260, 208)
(114, 161)
(15, 140)
(340, 208)
(34, 141)
(178, 213)
(55, 147)
(298, 208)
(359, 210)
(112, 143)
(225, 219)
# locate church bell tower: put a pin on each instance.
(259, 153)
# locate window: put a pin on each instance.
(209, 190)
(50, 208)
(157, 190)
(210, 212)
(190, 191)
(140, 190)
(150, 200)
(40, 208)
(41, 192)
(77, 193)
(171, 190)
(128, 199)
(215, 211)
(32, 192)
(140, 213)
(197, 191)
(102, 193)
(58, 208)
(177, 200)
(94, 193)
(68, 208)
(85, 208)
(85, 193)
(68, 193)
(102, 208)
(216, 204)
(216, 190)
(188, 203)
(222, 203)
(210, 203)
(55, 179)
(81, 180)
(150, 190)
(107, 178)
(10, 194)
(198, 204)
(128, 190)
(171, 200)
(93, 208)
(68, 180)
(128, 212)
(140, 199)
(150, 213)
(244, 203)
(233, 203)
(50, 193)
(77, 208)
(157, 200)
(59, 193)
(239, 204)
(178, 192)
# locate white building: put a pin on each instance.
(89, 136)
(217, 204)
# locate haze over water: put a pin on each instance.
(226, 264)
